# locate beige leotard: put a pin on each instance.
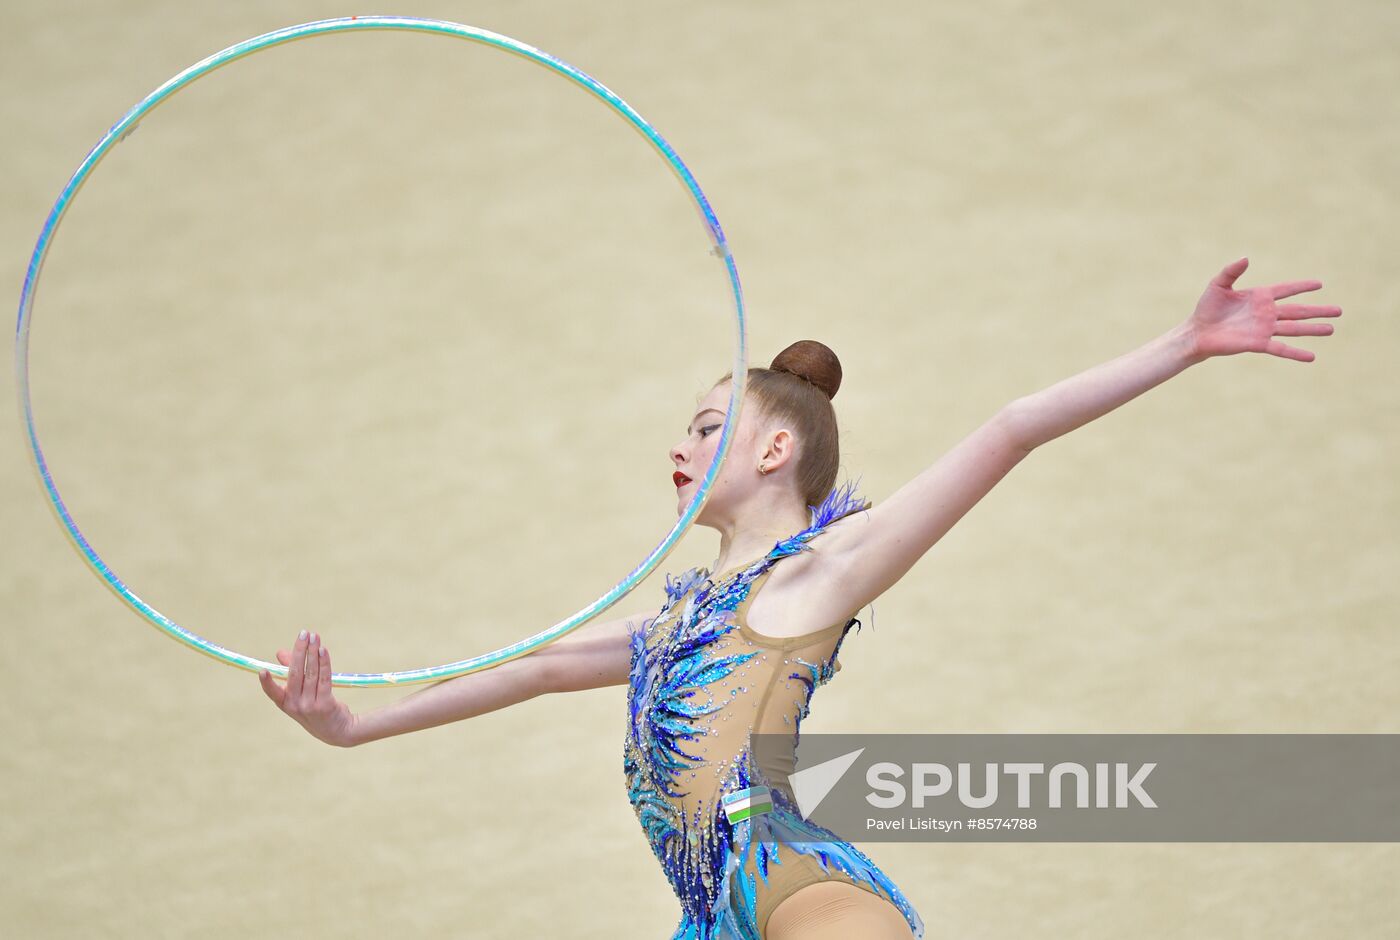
(701, 681)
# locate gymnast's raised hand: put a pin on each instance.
(308, 696)
(1229, 321)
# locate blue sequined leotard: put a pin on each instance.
(700, 681)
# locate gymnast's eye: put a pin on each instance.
(705, 431)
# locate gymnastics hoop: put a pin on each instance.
(127, 124)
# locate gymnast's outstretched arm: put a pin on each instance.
(595, 655)
(866, 553)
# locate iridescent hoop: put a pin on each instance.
(127, 124)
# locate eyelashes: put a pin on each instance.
(705, 431)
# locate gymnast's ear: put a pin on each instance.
(781, 447)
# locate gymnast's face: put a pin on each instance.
(696, 451)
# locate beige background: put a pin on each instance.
(389, 336)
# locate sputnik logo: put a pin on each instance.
(811, 785)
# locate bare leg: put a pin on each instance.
(835, 910)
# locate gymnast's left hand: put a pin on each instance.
(1229, 320)
(308, 696)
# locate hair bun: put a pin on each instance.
(812, 361)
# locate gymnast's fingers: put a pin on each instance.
(1299, 311)
(1294, 328)
(270, 686)
(1279, 291)
(296, 669)
(323, 687)
(1228, 274)
(1275, 348)
(311, 675)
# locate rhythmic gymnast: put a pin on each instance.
(743, 649)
